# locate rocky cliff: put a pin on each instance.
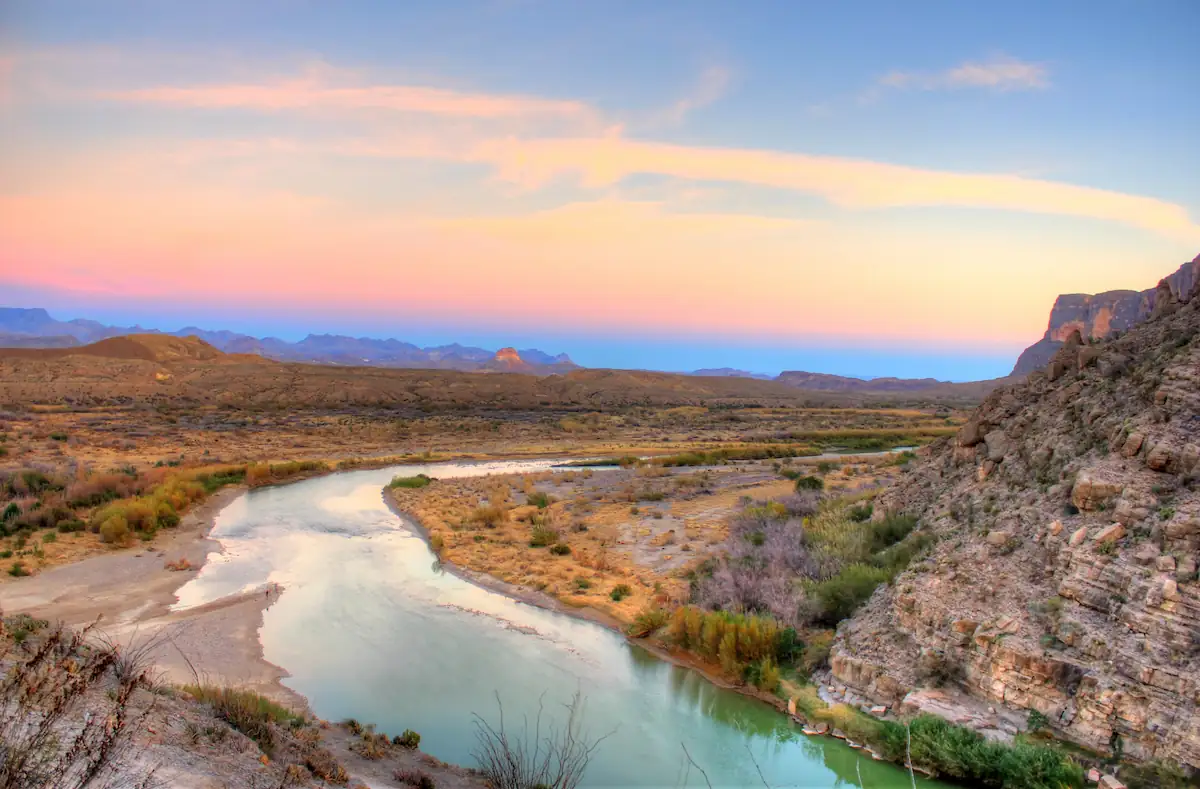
(1064, 577)
(1100, 316)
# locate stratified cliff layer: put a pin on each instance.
(1064, 579)
(1099, 316)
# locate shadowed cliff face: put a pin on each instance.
(1064, 577)
(1099, 316)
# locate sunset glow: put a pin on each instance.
(382, 175)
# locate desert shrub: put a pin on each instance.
(69, 719)
(647, 622)
(541, 535)
(861, 513)
(839, 596)
(71, 525)
(353, 726)
(17, 570)
(50, 536)
(620, 592)
(6, 554)
(809, 483)
(417, 779)
(246, 711)
(409, 739)
(582, 583)
(1037, 721)
(539, 499)
(535, 754)
(115, 530)
(762, 674)
(419, 481)
(490, 516)
(10, 512)
(560, 549)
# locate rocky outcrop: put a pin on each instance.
(1099, 316)
(1064, 577)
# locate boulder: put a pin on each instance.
(997, 445)
(971, 433)
(1182, 528)
(1110, 533)
(1185, 569)
(999, 537)
(1094, 489)
(1110, 782)
(1133, 444)
(1164, 456)
(1056, 528)
(1165, 564)
(1078, 537)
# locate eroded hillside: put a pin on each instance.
(1064, 580)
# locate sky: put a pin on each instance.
(863, 188)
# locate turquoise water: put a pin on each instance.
(369, 627)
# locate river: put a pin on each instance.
(370, 627)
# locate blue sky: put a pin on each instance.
(866, 187)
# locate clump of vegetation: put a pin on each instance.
(248, 712)
(408, 739)
(17, 570)
(539, 499)
(418, 779)
(542, 535)
(809, 483)
(419, 481)
(560, 549)
(57, 726)
(647, 622)
(744, 645)
(620, 592)
(491, 515)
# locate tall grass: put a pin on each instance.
(248, 712)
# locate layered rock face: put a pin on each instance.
(1065, 576)
(1099, 316)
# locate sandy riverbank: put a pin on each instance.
(129, 595)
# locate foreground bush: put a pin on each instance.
(68, 718)
(246, 711)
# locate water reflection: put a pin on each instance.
(371, 627)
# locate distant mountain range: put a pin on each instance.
(35, 328)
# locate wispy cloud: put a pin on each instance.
(316, 93)
(850, 183)
(713, 83)
(999, 73)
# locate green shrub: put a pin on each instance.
(539, 500)
(409, 739)
(10, 512)
(58, 436)
(1156, 774)
(50, 536)
(246, 711)
(620, 592)
(965, 755)
(809, 483)
(560, 549)
(6, 554)
(71, 525)
(541, 536)
(1037, 721)
(17, 570)
(419, 481)
(115, 530)
(582, 583)
(647, 622)
(838, 597)
(649, 495)
(861, 513)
